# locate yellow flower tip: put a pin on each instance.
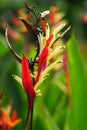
(47, 31)
(17, 78)
(38, 92)
(13, 124)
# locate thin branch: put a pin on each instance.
(31, 118)
(10, 48)
(31, 9)
(61, 35)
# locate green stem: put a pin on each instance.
(27, 120)
(31, 118)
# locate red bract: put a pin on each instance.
(7, 122)
(49, 40)
(43, 58)
(27, 82)
(42, 62)
(14, 116)
(43, 25)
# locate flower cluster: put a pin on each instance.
(48, 55)
(7, 122)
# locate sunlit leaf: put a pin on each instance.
(78, 95)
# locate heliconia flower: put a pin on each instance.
(35, 71)
(26, 76)
(7, 122)
(31, 82)
(47, 52)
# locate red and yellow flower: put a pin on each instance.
(43, 63)
(7, 122)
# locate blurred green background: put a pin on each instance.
(54, 110)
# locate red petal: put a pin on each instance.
(26, 80)
(52, 18)
(49, 40)
(44, 54)
(43, 58)
(42, 61)
(16, 21)
(43, 24)
(14, 116)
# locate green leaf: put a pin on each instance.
(3, 46)
(43, 114)
(78, 95)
